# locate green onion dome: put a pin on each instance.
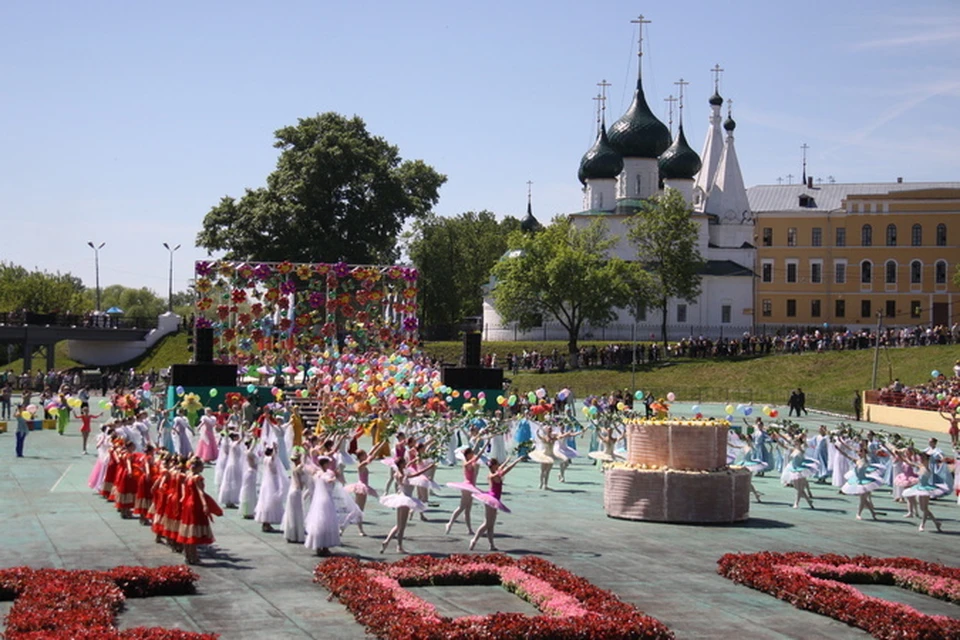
(601, 160)
(638, 133)
(679, 161)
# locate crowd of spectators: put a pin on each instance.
(935, 394)
(616, 355)
(77, 378)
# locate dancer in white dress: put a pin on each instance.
(608, 437)
(181, 435)
(492, 502)
(928, 487)
(248, 486)
(321, 524)
(232, 479)
(293, 518)
(273, 490)
(403, 501)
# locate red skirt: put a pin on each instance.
(144, 498)
(159, 510)
(109, 477)
(194, 523)
(171, 512)
(127, 489)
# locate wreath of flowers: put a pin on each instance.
(570, 606)
(822, 584)
(256, 307)
(57, 603)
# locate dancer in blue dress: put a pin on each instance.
(821, 453)
(862, 481)
(523, 437)
(749, 460)
(930, 486)
(797, 470)
(761, 444)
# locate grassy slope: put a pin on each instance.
(829, 380)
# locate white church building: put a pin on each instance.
(635, 160)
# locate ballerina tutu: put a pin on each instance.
(603, 456)
(361, 489)
(539, 456)
(464, 486)
(424, 482)
(930, 490)
(862, 480)
(805, 469)
(492, 501)
(397, 500)
(905, 480)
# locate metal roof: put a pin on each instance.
(826, 197)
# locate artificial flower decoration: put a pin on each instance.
(239, 296)
(203, 285)
(204, 303)
(284, 267)
(203, 268)
(225, 269)
(304, 272)
(245, 271)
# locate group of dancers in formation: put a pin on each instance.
(853, 462)
(285, 477)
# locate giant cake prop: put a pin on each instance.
(676, 471)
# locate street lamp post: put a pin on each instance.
(96, 264)
(170, 292)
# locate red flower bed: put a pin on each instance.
(56, 603)
(571, 607)
(822, 584)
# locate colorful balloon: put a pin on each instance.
(180, 391)
(213, 393)
(638, 395)
(729, 409)
(671, 396)
(934, 374)
(251, 388)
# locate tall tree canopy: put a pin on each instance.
(566, 273)
(454, 257)
(136, 303)
(39, 291)
(338, 193)
(666, 240)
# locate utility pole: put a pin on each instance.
(171, 250)
(876, 351)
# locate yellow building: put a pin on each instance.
(840, 254)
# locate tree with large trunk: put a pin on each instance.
(565, 273)
(338, 194)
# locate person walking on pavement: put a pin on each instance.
(22, 430)
(801, 402)
(857, 405)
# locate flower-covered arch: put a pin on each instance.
(259, 307)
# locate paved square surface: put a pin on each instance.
(255, 585)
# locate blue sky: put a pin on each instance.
(124, 122)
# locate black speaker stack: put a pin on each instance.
(203, 345)
(471, 375)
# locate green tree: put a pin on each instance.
(454, 257)
(39, 291)
(565, 273)
(338, 193)
(136, 303)
(666, 241)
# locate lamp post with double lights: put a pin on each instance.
(96, 264)
(170, 292)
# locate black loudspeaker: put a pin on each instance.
(204, 375)
(472, 378)
(203, 345)
(471, 350)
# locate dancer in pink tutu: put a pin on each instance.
(361, 488)
(904, 459)
(467, 488)
(491, 500)
(403, 501)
